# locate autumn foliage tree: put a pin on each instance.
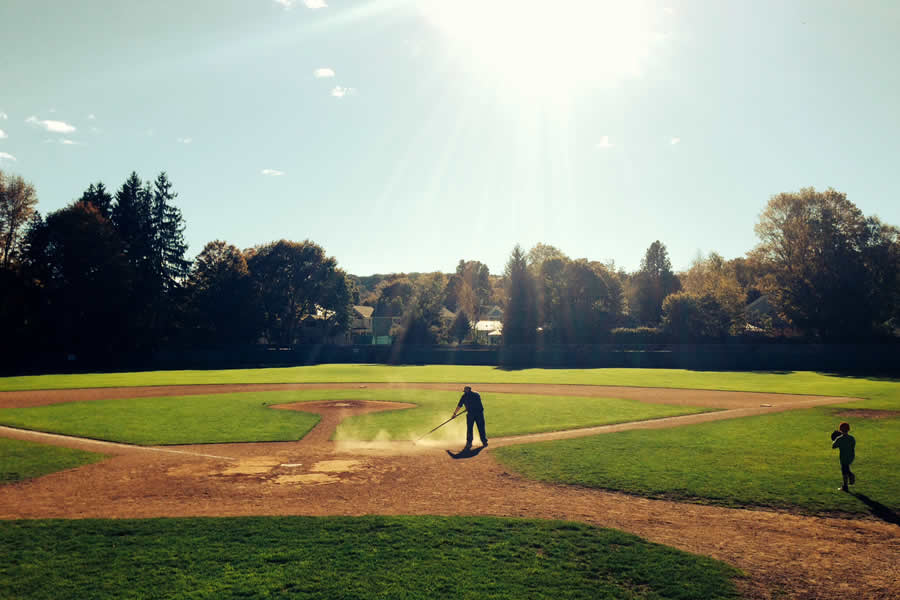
(833, 272)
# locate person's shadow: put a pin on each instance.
(465, 453)
(878, 509)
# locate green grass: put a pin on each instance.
(506, 414)
(170, 420)
(21, 460)
(343, 558)
(246, 417)
(789, 383)
(781, 460)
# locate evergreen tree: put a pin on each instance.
(99, 197)
(520, 318)
(653, 282)
(131, 217)
(167, 225)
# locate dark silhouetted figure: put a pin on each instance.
(846, 444)
(474, 415)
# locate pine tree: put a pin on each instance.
(520, 317)
(167, 225)
(99, 197)
(131, 217)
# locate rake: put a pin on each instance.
(441, 425)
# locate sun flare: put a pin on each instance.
(547, 47)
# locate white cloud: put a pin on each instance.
(185, 140)
(340, 92)
(604, 142)
(91, 117)
(3, 116)
(272, 172)
(675, 140)
(313, 4)
(7, 156)
(51, 126)
(323, 72)
(68, 142)
(3, 134)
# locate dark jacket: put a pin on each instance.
(472, 402)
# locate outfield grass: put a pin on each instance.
(246, 417)
(781, 460)
(343, 558)
(21, 460)
(800, 382)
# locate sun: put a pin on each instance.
(547, 48)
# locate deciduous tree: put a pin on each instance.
(832, 270)
(17, 202)
(294, 281)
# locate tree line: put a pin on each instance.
(109, 273)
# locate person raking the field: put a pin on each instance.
(474, 415)
(846, 444)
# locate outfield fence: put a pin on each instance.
(867, 358)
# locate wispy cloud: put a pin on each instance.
(3, 134)
(7, 156)
(91, 117)
(323, 72)
(674, 141)
(604, 142)
(51, 126)
(272, 172)
(185, 140)
(68, 142)
(340, 92)
(313, 4)
(3, 116)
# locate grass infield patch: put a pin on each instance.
(782, 460)
(247, 416)
(209, 419)
(20, 460)
(343, 558)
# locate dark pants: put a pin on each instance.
(475, 419)
(846, 473)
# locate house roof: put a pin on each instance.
(447, 314)
(488, 326)
(364, 311)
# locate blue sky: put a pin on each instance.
(404, 135)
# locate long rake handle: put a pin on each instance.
(441, 425)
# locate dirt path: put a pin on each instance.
(791, 555)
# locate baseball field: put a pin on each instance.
(321, 482)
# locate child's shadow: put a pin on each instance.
(879, 510)
(466, 453)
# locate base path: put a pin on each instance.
(784, 555)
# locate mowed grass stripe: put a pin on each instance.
(781, 460)
(248, 417)
(20, 460)
(343, 558)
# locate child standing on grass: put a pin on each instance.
(846, 443)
